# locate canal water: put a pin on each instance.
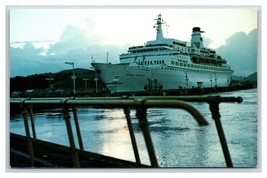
(177, 138)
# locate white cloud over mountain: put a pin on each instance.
(76, 44)
(240, 50)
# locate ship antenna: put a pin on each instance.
(158, 27)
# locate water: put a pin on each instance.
(177, 138)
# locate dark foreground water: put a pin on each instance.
(177, 138)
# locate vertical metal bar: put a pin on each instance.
(27, 130)
(75, 116)
(214, 108)
(32, 122)
(70, 135)
(143, 124)
(129, 123)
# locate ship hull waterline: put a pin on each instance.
(121, 78)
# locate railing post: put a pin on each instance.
(214, 108)
(27, 130)
(32, 121)
(143, 124)
(130, 127)
(70, 135)
(74, 111)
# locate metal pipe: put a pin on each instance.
(32, 122)
(214, 108)
(123, 99)
(143, 124)
(27, 130)
(130, 127)
(129, 102)
(77, 126)
(70, 135)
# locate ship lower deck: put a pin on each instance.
(123, 78)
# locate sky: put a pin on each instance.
(7, 65)
(42, 39)
(131, 25)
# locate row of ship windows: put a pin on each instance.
(195, 51)
(182, 49)
(183, 70)
(144, 56)
(151, 62)
(182, 57)
(149, 50)
(197, 66)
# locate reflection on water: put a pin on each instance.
(177, 138)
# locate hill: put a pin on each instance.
(247, 82)
(61, 80)
(252, 77)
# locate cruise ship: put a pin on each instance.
(166, 64)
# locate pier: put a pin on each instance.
(30, 152)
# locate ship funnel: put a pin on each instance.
(197, 39)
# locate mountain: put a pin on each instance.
(252, 77)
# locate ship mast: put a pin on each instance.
(158, 27)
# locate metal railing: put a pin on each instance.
(125, 102)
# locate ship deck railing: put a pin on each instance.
(31, 148)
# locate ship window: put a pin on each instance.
(116, 77)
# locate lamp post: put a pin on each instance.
(96, 79)
(50, 79)
(85, 80)
(73, 77)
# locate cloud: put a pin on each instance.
(240, 50)
(76, 44)
(74, 38)
(206, 41)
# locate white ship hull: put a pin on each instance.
(123, 78)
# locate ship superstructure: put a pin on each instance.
(166, 64)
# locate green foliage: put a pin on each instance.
(62, 80)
